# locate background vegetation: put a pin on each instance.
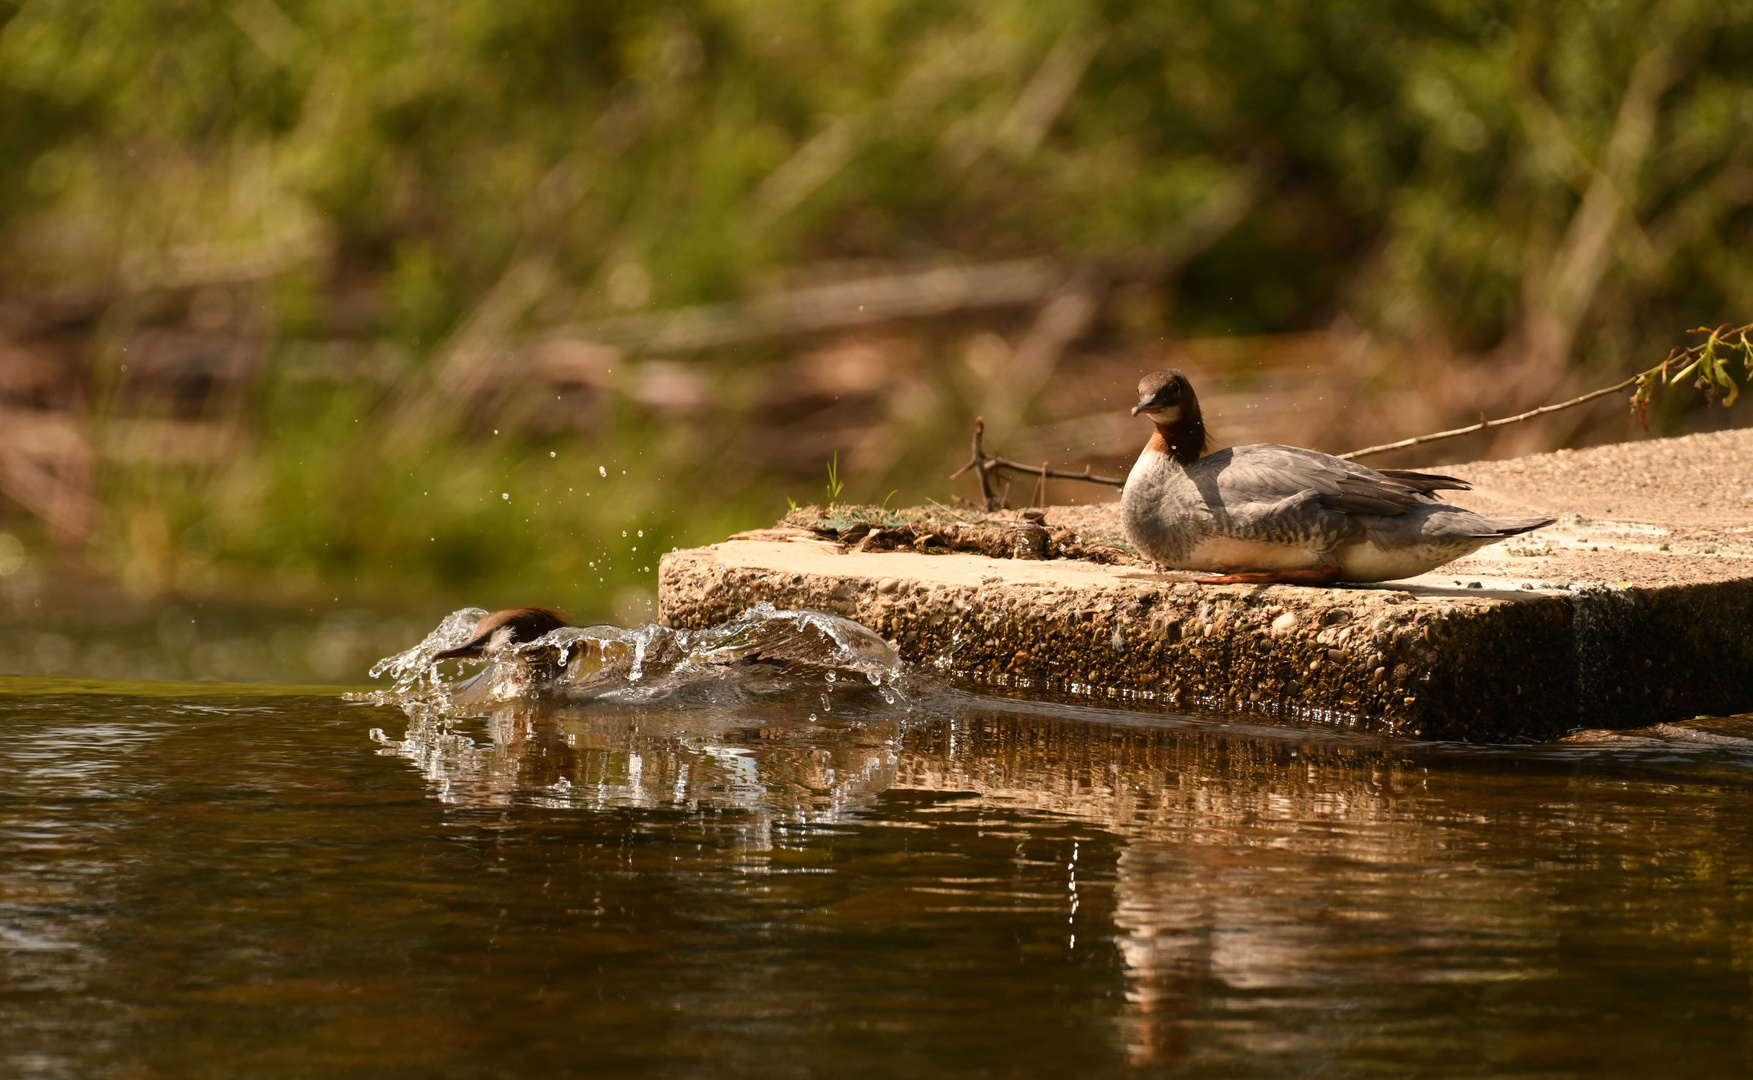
(312, 297)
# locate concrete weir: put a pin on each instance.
(1635, 609)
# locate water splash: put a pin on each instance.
(599, 716)
(413, 666)
(765, 648)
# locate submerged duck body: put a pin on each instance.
(1270, 513)
(499, 630)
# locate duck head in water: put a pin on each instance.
(1167, 398)
(513, 626)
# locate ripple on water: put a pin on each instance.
(734, 876)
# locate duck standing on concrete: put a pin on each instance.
(1267, 513)
(513, 626)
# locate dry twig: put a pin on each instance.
(983, 465)
(1486, 425)
(1701, 360)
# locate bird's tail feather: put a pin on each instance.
(1515, 526)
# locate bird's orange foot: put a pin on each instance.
(1326, 575)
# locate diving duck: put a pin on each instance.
(1267, 513)
(513, 626)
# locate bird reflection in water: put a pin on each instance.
(1244, 883)
(1171, 805)
(1255, 874)
(792, 761)
(782, 714)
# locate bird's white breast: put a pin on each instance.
(1368, 562)
(1229, 555)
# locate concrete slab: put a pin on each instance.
(1634, 610)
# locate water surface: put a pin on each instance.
(759, 882)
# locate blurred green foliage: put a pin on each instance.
(1567, 178)
(1434, 146)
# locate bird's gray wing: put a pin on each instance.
(1424, 483)
(1272, 474)
(1285, 493)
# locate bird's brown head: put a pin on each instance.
(1164, 394)
(1167, 398)
(513, 626)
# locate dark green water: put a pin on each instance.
(230, 885)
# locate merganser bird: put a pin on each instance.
(1268, 513)
(513, 626)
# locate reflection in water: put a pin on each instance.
(756, 869)
(1262, 881)
(1193, 806)
(793, 761)
(764, 735)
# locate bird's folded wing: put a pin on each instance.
(1271, 474)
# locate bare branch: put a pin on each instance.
(1054, 474)
(983, 467)
(1486, 425)
(1699, 360)
(943, 291)
(978, 463)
